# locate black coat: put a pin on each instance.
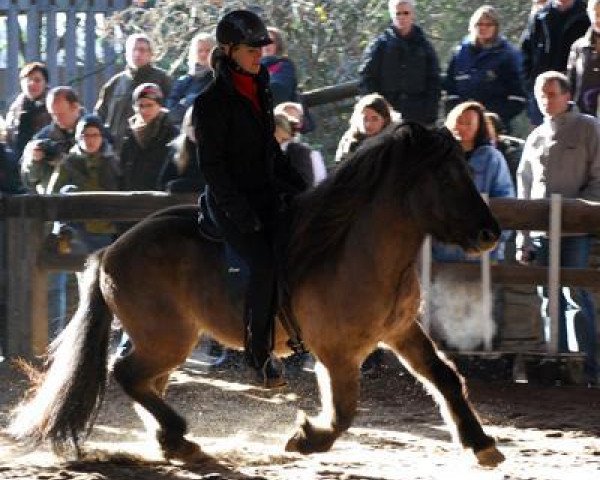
(244, 168)
(547, 39)
(10, 180)
(24, 119)
(142, 165)
(406, 71)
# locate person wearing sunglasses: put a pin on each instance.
(401, 64)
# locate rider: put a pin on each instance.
(248, 181)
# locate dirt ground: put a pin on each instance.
(546, 432)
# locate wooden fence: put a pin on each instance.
(64, 35)
(28, 262)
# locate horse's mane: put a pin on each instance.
(326, 213)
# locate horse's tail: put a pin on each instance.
(65, 397)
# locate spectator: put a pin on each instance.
(303, 121)
(371, 115)
(490, 171)
(583, 68)
(546, 42)
(41, 169)
(186, 88)
(181, 173)
(308, 162)
(562, 156)
(282, 72)
(114, 102)
(486, 68)
(10, 181)
(145, 148)
(510, 147)
(28, 113)
(91, 166)
(44, 154)
(401, 64)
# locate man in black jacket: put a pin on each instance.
(402, 65)
(546, 43)
(245, 172)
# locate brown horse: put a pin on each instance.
(353, 281)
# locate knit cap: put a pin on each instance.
(89, 120)
(148, 90)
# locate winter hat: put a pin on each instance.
(89, 120)
(284, 122)
(148, 90)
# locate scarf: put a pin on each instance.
(246, 85)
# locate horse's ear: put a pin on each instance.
(446, 132)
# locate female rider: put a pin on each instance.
(246, 175)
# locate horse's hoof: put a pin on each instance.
(297, 443)
(186, 452)
(490, 457)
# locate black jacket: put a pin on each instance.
(142, 165)
(244, 168)
(24, 119)
(547, 40)
(406, 71)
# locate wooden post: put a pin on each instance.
(554, 270)
(27, 303)
(426, 283)
(486, 295)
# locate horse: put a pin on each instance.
(352, 275)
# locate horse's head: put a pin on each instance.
(440, 193)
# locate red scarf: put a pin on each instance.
(246, 85)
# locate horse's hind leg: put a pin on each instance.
(144, 379)
(338, 379)
(418, 353)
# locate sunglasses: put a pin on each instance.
(400, 14)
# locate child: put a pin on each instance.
(91, 165)
(146, 145)
(308, 162)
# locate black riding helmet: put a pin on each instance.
(242, 26)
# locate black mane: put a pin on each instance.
(326, 213)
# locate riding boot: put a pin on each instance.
(268, 369)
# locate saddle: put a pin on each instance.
(238, 275)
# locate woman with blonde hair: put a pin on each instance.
(187, 87)
(486, 68)
(372, 113)
(282, 71)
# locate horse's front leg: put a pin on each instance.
(338, 379)
(416, 350)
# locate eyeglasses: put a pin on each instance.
(400, 14)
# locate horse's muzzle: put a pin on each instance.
(487, 239)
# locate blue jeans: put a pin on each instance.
(574, 252)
